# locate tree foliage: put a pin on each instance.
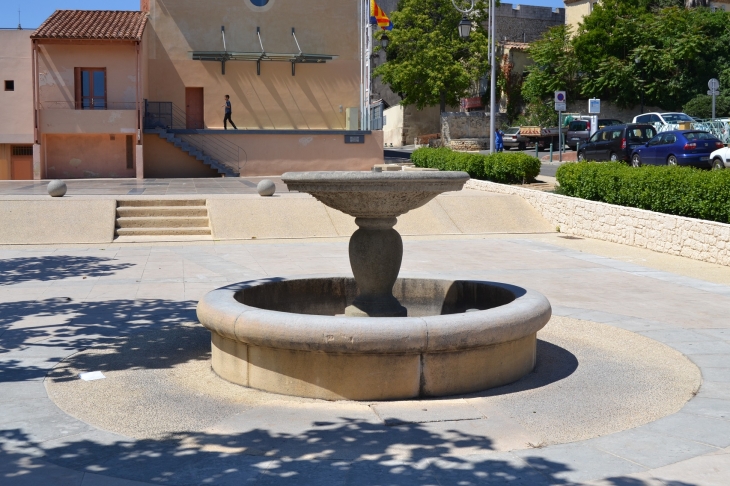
(428, 63)
(701, 106)
(626, 47)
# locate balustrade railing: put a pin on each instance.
(167, 116)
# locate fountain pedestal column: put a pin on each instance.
(376, 253)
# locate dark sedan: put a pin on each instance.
(678, 147)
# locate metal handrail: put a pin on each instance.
(74, 105)
(719, 127)
(166, 115)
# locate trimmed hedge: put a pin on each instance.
(681, 191)
(500, 167)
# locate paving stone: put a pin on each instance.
(706, 430)
(649, 449)
(394, 413)
(711, 407)
(577, 463)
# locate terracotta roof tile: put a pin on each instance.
(93, 25)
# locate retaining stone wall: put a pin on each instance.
(701, 240)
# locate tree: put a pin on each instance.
(555, 66)
(678, 51)
(701, 106)
(428, 63)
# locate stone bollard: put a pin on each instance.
(57, 188)
(266, 188)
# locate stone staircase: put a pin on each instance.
(162, 217)
(196, 152)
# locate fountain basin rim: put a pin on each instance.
(397, 179)
(220, 312)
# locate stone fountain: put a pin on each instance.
(377, 336)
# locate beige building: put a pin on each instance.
(576, 10)
(16, 99)
(88, 86)
(141, 93)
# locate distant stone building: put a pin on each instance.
(526, 23)
(576, 10)
(517, 26)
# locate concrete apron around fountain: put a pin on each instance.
(374, 337)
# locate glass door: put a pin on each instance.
(91, 92)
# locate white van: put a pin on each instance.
(664, 121)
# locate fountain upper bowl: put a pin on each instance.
(375, 194)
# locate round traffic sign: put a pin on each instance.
(713, 84)
(560, 97)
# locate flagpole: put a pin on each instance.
(493, 75)
(362, 61)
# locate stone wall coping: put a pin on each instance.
(698, 239)
(220, 312)
(507, 189)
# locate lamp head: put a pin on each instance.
(464, 27)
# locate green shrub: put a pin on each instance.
(500, 167)
(681, 191)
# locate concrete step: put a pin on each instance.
(160, 202)
(164, 222)
(162, 211)
(163, 231)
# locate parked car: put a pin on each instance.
(580, 130)
(665, 121)
(513, 139)
(677, 147)
(616, 142)
(720, 158)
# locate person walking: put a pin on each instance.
(498, 140)
(227, 118)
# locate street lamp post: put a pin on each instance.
(464, 30)
(637, 60)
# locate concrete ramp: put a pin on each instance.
(302, 216)
(91, 219)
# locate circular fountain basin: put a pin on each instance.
(289, 336)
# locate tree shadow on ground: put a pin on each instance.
(345, 451)
(56, 267)
(54, 328)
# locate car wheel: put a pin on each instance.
(581, 157)
(614, 157)
(671, 160)
(636, 160)
(717, 164)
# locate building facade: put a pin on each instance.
(141, 93)
(16, 99)
(576, 10)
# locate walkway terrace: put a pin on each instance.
(631, 387)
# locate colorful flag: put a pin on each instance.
(377, 16)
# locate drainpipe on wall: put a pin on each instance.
(139, 153)
(34, 64)
(37, 172)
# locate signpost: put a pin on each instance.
(714, 86)
(594, 106)
(560, 107)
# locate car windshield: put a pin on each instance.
(676, 117)
(578, 126)
(640, 134)
(512, 130)
(607, 123)
(698, 136)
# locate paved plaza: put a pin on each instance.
(632, 385)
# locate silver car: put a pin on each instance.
(513, 139)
